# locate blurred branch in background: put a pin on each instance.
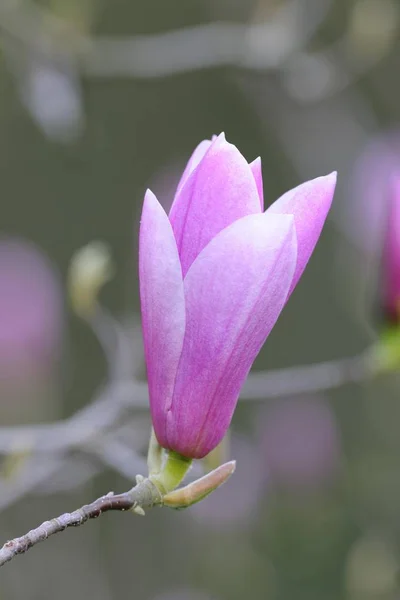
(95, 430)
(371, 31)
(117, 399)
(256, 45)
(48, 55)
(273, 44)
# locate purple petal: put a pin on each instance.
(310, 204)
(219, 191)
(234, 293)
(193, 161)
(256, 169)
(163, 306)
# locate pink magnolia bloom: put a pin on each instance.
(214, 277)
(391, 254)
(373, 217)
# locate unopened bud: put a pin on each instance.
(385, 353)
(90, 268)
(199, 489)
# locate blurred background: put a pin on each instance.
(100, 99)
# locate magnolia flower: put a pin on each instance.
(372, 221)
(214, 277)
(391, 254)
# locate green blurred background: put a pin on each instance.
(95, 106)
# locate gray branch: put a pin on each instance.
(308, 379)
(143, 495)
(104, 412)
(265, 45)
(282, 382)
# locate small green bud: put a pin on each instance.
(385, 354)
(173, 469)
(90, 268)
(199, 489)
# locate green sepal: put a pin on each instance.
(199, 489)
(173, 469)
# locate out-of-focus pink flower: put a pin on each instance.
(214, 277)
(30, 309)
(374, 217)
(365, 215)
(300, 443)
(391, 253)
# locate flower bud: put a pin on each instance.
(199, 489)
(90, 268)
(391, 254)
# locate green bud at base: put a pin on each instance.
(173, 469)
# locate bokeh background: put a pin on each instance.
(100, 99)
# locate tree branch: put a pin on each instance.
(108, 408)
(307, 379)
(143, 495)
(77, 430)
(258, 45)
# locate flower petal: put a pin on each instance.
(163, 306)
(310, 204)
(234, 293)
(193, 161)
(256, 169)
(219, 191)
